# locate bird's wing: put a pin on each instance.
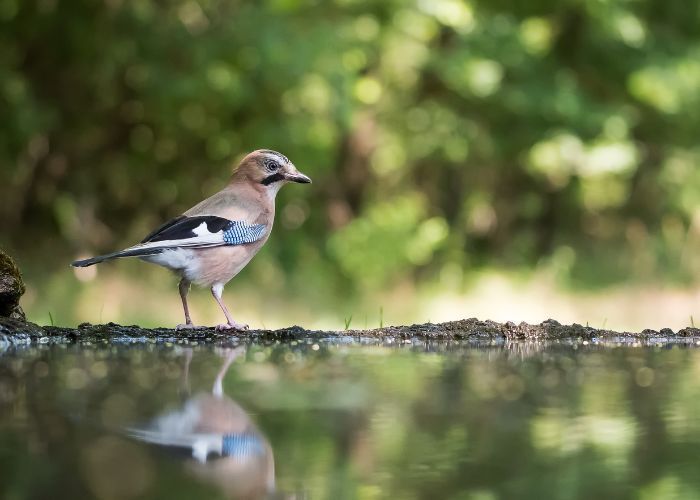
(243, 445)
(202, 231)
(163, 228)
(198, 445)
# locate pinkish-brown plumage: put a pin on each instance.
(211, 242)
(221, 264)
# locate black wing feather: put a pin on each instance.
(183, 227)
(163, 227)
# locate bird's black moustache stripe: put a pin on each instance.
(272, 178)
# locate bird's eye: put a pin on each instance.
(271, 165)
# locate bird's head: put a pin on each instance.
(269, 169)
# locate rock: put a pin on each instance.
(689, 332)
(17, 333)
(15, 328)
(11, 288)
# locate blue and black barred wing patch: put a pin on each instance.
(238, 233)
(243, 446)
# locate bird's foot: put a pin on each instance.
(232, 325)
(187, 326)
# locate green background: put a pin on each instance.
(444, 137)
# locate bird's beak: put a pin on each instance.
(298, 177)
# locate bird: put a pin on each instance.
(222, 443)
(213, 241)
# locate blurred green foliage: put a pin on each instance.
(441, 134)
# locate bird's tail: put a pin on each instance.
(157, 437)
(155, 247)
(128, 252)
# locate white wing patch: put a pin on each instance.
(202, 230)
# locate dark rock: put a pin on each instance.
(689, 332)
(551, 322)
(11, 288)
(13, 327)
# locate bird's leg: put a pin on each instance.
(186, 372)
(230, 324)
(229, 356)
(184, 288)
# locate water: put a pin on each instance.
(351, 420)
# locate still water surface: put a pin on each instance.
(332, 420)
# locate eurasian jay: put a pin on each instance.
(223, 444)
(211, 242)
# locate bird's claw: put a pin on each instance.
(232, 326)
(186, 326)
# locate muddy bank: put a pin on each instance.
(17, 332)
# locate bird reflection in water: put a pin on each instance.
(223, 444)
